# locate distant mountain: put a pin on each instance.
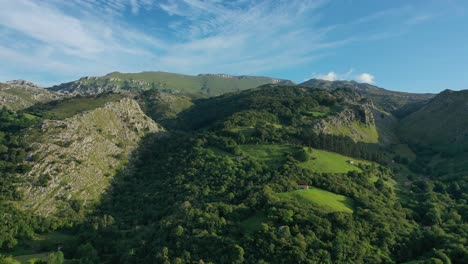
(20, 94)
(200, 85)
(441, 123)
(385, 99)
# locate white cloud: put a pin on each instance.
(365, 78)
(331, 76)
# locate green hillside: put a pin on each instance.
(201, 85)
(441, 123)
(329, 162)
(385, 99)
(219, 183)
(326, 201)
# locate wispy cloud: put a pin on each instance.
(333, 76)
(82, 37)
(365, 78)
(349, 75)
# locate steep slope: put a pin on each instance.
(73, 160)
(386, 100)
(19, 94)
(162, 106)
(442, 123)
(341, 112)
(202, 84)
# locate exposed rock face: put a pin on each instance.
(79, 155)
(89, 86)
(20, 94)
(355, 121)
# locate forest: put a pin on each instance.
(207, 193)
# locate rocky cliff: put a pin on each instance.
(20, 94)
(355, 121)
(73, 160)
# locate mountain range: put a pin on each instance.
(158, 167)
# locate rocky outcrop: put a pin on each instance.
(20, 94)
(73, 160)
(354, 121)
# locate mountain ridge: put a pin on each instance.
(388, 100)
(198, 85)
(20, 94)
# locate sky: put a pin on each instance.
(412, 46)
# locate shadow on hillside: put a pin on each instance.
(136, 200)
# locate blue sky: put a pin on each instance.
(414, 46)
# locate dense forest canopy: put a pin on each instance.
(249, 177)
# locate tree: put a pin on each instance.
(55, 258)
(302, 155)
(7, 260)
(87, 254)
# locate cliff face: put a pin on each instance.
(356, 122)
(354, 119)
(20, 94)
(73, 160)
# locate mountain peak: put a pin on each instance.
(22, 83)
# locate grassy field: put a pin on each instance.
(26, 258)
(272, 154)
(194, 84)
(69, 107)
(358, 132)
(327, 201)
(321, 160)
(40, 246)
(329, 162)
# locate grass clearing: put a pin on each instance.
(36, 257)
(327, 201)
(221, 152)
(69, 107)
(40, 246)
(329, 162)
(272, 154)
(358, 132)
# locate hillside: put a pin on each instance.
(19, 94)
(201, 85)
(74, 159)
(279, 172)
(441, 123)
(385, 99)
(340, 112)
